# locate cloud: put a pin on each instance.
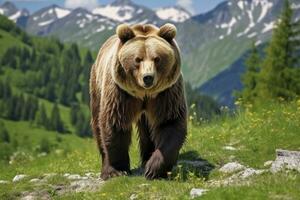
(88, 4)
(187, 4)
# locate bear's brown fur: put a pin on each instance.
(137, 79)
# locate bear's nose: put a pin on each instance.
(148, 80)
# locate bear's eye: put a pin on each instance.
(138, 59)
(157, 59)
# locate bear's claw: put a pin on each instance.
(110, 172)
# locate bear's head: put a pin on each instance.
(149, 58)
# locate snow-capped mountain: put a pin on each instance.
(127, 11)
(174, 14)
(214, 40)
(13, 13)
(41, 21)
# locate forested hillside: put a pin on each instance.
(41, 79)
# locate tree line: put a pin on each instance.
(276, 75)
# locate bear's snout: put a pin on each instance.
(148, 80)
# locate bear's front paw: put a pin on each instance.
(153, 167)
(109, 172)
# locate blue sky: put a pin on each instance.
(195, 6)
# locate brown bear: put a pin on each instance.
(137, 79)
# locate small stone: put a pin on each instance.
(66, 174)
(268, 163)
(90, 174)
(86, 185)
(232, 167)
(133, 197)
(230, 148)
(250, 172)
(49, 175)
(35, 180)
(144, 185)
(74, 177)
(286, 160)
(43, 154)
(4, 182)
(197, 192)
(19, 177)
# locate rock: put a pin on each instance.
(74, 177)
(286, 160)
(35, 180)
(86, 185)
(66, 174)
(250, 172)
(90, 174)
(43, 154)
(4, 182)
(239, 178)
(230, 148)
(133, 197)
(19, 177)
(49, 175)
(232, 167)
(36, 195)
(268, 163)
(197, 192)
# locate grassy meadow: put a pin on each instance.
(253, 133)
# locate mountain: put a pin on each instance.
(40, 22)
(125, 11)
(211, 42)
(175, 14)
(13, 13)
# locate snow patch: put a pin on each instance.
(257, 42)
(295, 6)
(139, 11)
(265, 6)
(117, 13)
(252, 35)
(15, 16)
(268, 26)
(100, 29)
(60, 13)
(241, 5)
(221, 37)
(172, 14)
(46, 22)
(1, 11)
(229, 25)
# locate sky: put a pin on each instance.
(194, 6)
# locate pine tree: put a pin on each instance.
(249, 79)
(42, 118)
(55, 121)
(4, 136)
(275, 80)
(87, 64)
(75, 109)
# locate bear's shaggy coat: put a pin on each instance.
(118, 99)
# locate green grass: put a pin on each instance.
(255, 133)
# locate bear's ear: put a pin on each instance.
(167, 31)
(125, 33)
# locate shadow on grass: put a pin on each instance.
(190, 164)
